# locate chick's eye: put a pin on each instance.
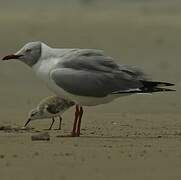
(33, 114)
(28, 50)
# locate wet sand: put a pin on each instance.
(121, 146)
(136, 137)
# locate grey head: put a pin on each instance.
(34, 114)
(29, 53)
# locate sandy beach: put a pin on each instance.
(136, 137)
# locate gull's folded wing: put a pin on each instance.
(88, 83)
(91, 73)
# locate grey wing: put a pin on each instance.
(92, 83)
(89, 59)
(134, 72)
(90, 73)
(95, 60)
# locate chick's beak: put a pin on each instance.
(27, 122)
(12, 56)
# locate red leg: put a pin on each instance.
(79, 121)
(75, 120)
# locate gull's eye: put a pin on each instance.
(28, 50)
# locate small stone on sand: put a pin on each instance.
(5, 128)
(41, 137)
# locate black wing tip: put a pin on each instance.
(167, 84)
(146, 91)
(156, 83)
(165, 89)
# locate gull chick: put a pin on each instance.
(50, 107)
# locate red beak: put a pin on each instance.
(12, 56)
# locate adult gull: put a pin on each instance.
(87, 77)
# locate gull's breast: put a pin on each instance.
(42, 69)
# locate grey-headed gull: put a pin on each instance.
(87, 77)
(50, 107)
